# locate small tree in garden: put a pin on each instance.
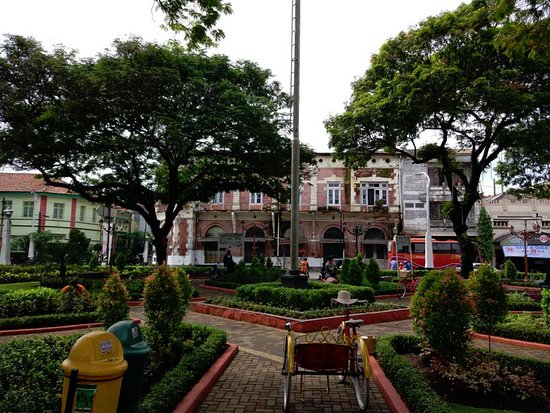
(164, 311)
(489, 299)
(185, 285)
(352, 274)
(485, 235)
(372, 271)
(113, 301)
(442, 310)
(510, 271)
(545, 304)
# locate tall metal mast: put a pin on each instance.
(295, 120)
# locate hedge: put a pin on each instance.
(165, 395)
(36, 301)
(319, 295)
(48, 320)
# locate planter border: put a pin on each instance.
(300, 326)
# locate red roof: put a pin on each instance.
(26, 182)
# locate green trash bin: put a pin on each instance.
(136, 353)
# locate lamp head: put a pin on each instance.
(7, 213)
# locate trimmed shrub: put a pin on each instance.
(372, 272)
(352, 274)
(510, 270)
(35, 301)
(113, 301)
(164, 310)
(442, 310)
(489, 298)
(545, 304)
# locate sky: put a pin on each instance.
(337, 39)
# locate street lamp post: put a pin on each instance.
(357, 231)
(525, 235)
(428, 246)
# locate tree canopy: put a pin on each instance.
(143, 124)
(442, 87)
(195, 18)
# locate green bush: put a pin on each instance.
(168, 392)
(164, 310)
(352, 274)
(74, 300)
(510, 270)
(35, 301)
(409, 382)
(489, 297)
(519, 301)
(545, 304)
(113, 301)
(319, 295)
(442, 312)
(30, 373)
(372, 272)
(48, 320)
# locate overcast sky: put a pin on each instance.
(338, 38)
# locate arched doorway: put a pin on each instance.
(212, 251)
(376, 246)
(333, 243)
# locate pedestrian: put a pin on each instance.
(304, 267)
(393, 264)
(329, 268)
(228, 262)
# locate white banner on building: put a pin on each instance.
(227, 240)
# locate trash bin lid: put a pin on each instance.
(97, 353)
(131, 337)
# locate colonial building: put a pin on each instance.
(343, 211)
(515, 219)
(30, 205)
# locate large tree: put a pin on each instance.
(144, 124)
(445, 86)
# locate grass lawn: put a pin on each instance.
(19, 286)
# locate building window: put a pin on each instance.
(333, 193)
(255, 197)
(58, 210)
(28, 209)
(373, 194)
(218, 198)
(82, 213)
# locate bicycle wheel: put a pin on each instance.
(361, 373)
(288, 370)
(287, 383)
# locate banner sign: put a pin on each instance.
(538, 246)
(227, 240)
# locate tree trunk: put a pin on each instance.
(161, 243)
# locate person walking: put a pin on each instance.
(304, 267)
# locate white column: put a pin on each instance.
(5, 251)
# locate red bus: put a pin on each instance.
(446, 253)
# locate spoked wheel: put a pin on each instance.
(361, 374)
(361, 385)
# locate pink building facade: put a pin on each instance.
(342, 212)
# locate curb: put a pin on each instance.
(199, 392)
(390, 394)
(513, 342)
(42, 330)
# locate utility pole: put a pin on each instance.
(295, 118)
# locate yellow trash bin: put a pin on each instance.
(99, 359)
